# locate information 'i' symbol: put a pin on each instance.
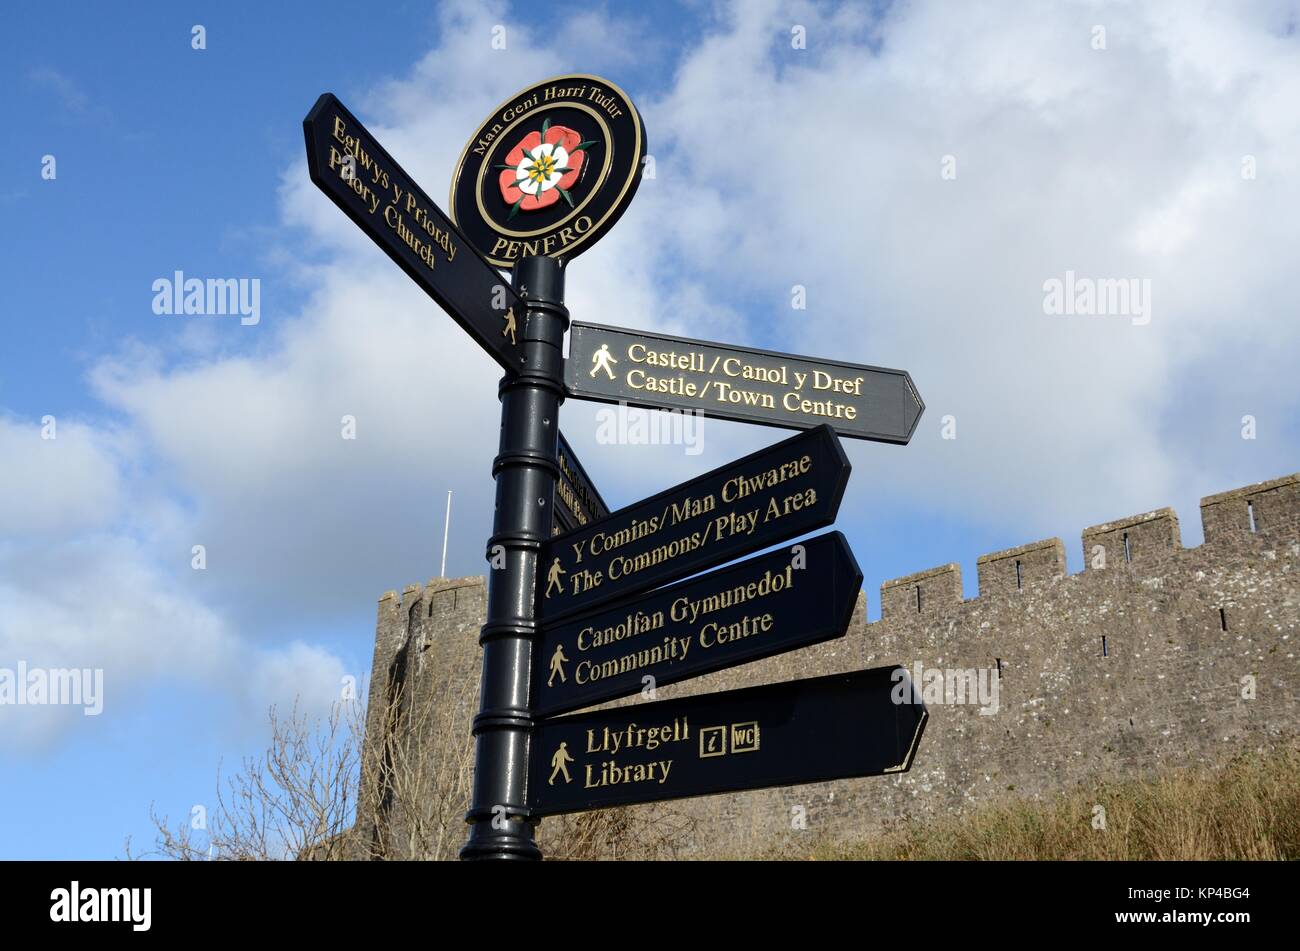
(560, 764)
(602, 359)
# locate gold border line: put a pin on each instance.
(627, 184)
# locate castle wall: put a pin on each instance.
(1138, 662)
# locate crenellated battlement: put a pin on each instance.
(1142, 541)
(1017, 568)
(1250, 516)
(1154, 655)
(926, 592)
(1266, 507)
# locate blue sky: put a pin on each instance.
(775, 166)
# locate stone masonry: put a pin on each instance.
(1144, 660)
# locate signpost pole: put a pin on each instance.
(803, 731)
(525, 471)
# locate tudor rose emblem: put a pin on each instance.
(542, 168)
(550, 171)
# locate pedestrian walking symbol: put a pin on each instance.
(560, 764)
(510, 327)
(557, 659)
(602, 359)
(553, 578)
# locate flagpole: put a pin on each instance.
(446, 529)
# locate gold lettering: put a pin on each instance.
(828, 408)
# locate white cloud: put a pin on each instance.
(94, 603)
(54, 487)
(822, 168)
(297, 673)
(71, 95)
(285, 505)
(100, 603)
(774, 167)
(1111, 163)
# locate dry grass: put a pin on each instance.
(635, 834)
(1247, 809)
(300, 799)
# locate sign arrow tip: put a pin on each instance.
(913, 406)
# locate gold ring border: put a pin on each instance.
(595, 228)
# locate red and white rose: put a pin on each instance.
(541, 168)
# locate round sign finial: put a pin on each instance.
(550, 171)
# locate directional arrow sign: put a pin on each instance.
(789, 598)
(576, 500)
(754, 386)
(349, 166)
(866, 723)
(760, 500)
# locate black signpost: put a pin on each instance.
(550, 170)
(539, 182)
(354, 170)
(754, 386)
(866, 723)
(789, 598)
(576, 500)
(768, 496)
